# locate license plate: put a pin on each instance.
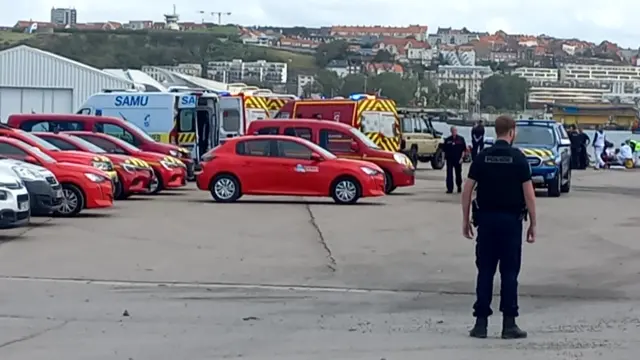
(23, 206)
(537, 179)
(59, 193)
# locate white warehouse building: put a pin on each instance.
(33, 80)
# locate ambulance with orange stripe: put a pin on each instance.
(376, 117)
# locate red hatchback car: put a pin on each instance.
(288, 166)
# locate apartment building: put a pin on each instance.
(405, 49)
(343, 68)
(600, 73)
(64, 16)
(469, 78)
(449, 36)
(537, 76)
(419, 32)
(565, 94)
(186, 69)
(240, 71)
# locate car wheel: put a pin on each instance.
(156, 183)
(118, 191)
(413, 156)
(389, 187)
(346, 190)
(554, 188)
(567, 186)
(225, 188)
(72, 201)
(437, 161)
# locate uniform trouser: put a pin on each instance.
(475, 149)
(584, 158)
(454, 166)
(597, 153)
(575, 157)
(499, 243)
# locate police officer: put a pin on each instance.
(477, 139)
(454, 148)
(502, 178)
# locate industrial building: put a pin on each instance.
(33, 80)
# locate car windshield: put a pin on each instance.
(41, 143)
(42, 155)
(534, 135)
(364, 138)
(92, 147)
(319, 150)
(135, 129)
(123, 144)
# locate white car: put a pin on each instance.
(15, 209)
(44, 189)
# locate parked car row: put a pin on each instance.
(63, 173)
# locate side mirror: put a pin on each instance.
(354, 146)
(31, 160)
(316, 157)
(565, 142)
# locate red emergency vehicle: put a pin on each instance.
(377, 118)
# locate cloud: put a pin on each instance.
(588, 19)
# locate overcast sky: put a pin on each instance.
(593, 20)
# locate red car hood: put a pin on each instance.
(77, 157)
(80, 168)
(359, 163)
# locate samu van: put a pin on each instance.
(183, 118)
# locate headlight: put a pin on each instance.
(95, 178)
(3, 195)
(550, 162)
(26, 174)
(129, 167)
(401, 159)
(369, 171)
(12, 186)
(173, 153)
(167, 165)
(104, 166)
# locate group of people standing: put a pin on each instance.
(579, 145)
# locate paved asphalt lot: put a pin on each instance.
(263, 279)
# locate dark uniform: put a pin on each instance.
(477, 140)
(499, 172)
(454, 148)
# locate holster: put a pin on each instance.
(524, 215)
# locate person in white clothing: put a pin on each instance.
(599, 141)
(625, 153)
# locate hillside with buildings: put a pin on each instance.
(457, 60)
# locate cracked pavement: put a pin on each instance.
(280, 278)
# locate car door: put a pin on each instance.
(565, 151)
(338, 142)
(298, 174)
(256, 169)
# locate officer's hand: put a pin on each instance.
(467, 230)
(531, 234)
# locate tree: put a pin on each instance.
(450, 96)
(504, 92)
(383, 56)
(354, 84)
(393, 86)
(334, 50)
(329, 82)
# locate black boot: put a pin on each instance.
(479, 329)
(510, 329)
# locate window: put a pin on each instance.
(335, 141)
(268, 131)
(102, 143)
(304, 133)
(85, 111)
(282, 115)
(8, 149)
(40, 142)
(231, 120)
(51, 125)
(534, 135)
(61, 144)
(186, 120)
(293, 150)
(254, 148)
(257, 114)
(115, 131)
(563, 132)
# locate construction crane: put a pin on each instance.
(215, 13)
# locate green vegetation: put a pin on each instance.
(134, 49)
(504, 92)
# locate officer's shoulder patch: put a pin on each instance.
(498, 159)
